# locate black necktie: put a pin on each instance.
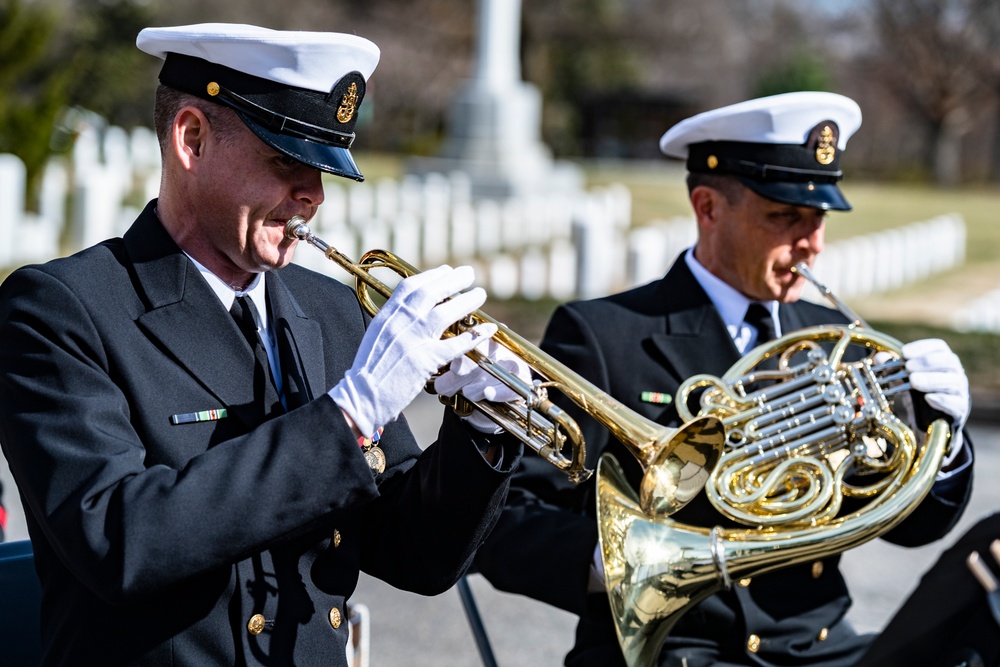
(264, 390)
(759, 317)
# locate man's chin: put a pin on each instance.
(789, 293)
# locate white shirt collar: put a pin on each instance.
(729, 303)
(256, 291)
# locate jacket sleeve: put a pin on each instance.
(422, 533)
(938, 513)
(543, 543)
(126, 527)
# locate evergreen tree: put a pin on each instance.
(32, 91)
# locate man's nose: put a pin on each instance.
(309, 188)
(811, 236)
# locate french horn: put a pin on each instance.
(811, 419)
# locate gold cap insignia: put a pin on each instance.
(826, 150)
(348, 104)
(213, 88)
(712, 162)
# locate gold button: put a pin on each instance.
(712, 162)
(256, 624)
(336, 539)
(817, 570)
(753, 643)
(212, 88)
(823, 634)
(745, 582)
(335, 618)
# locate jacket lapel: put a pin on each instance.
(790, 319)
(300, 345)
(186, 320)
(695, 339)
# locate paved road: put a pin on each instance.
(413, 631)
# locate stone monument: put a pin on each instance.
(493, 132)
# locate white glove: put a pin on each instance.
(937, 372)
(476, 384)
(403, 347)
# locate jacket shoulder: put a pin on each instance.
(815, 314)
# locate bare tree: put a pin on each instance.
(929, 56)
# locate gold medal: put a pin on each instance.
(375, 458)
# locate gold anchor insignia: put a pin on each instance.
(825, 150)
(349, 104)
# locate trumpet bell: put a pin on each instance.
(680, 465)
(535, 418)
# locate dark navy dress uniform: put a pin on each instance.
(639, 346)
(177, 517)
(657, 336)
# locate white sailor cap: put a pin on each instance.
(298, 91)
(784, 147)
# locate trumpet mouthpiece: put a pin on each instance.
(296, 228)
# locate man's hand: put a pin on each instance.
(476, 384)
(403, 347)
(937, 372)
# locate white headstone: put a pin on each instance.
(97, 206)
(562, 270)
(386, 199)
(503, 277)
(436, 221)
(52, 196)
(488, 221)
(406, 239)
(144, 148)
(332, 213)
(513, 228)
(534, 274)
(463, 230)
(647, 259)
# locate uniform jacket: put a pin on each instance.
(650, 339)
(157, 543)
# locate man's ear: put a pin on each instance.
(706, 202)
(189, 136)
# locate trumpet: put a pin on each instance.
(535, 419)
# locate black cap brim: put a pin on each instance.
(824, 196)
(331, 159)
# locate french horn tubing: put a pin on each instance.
(667, 455)
(811, 419)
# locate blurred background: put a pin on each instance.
(523, 138)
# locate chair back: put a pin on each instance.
(20, 605)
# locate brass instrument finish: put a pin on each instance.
(807, 424)
(542, 425)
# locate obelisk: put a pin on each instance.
(494, 127)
